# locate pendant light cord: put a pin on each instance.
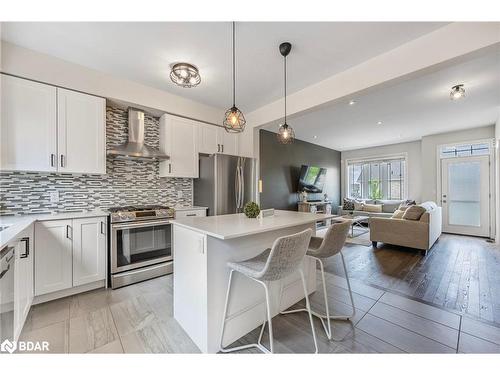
(234, 71)
(285, 89)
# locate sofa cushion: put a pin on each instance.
(414, 213)
(348, 204)
(389, 206)
(398, 214)
(372, 207)
(429, 206)
(358, 206)
(407, 203)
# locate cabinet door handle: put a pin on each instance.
(218, 147)
(52, 160)
(169, 167)
(62, 160)
(68, 227)
(102, 228)
(26, 241)
(190, 214)
(222, 148)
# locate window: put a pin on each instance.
(377, 179)
(457, 151)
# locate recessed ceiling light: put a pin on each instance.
(379, 123)
(315, 137)
(457, 92)
(352, 102)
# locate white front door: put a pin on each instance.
(466, 195)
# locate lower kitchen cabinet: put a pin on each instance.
(89, 250)
(69, 253)
(23, 279)
(53, 256)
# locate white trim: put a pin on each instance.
(400, 155)
(439, 192)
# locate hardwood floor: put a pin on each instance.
(460, 273)
(404, 304)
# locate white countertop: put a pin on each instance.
(238, 225)
(18, 223)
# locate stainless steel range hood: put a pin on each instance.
(135, 148)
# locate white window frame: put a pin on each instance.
(402, 155)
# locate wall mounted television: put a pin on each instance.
(312, 179)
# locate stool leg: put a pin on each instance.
(222, 349)
(269, 319)
(348, 287)
(308, 306)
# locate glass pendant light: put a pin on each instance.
(286, 135)
(234, 121)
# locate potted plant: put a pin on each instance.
(251, 210)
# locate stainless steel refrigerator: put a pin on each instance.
(226, 183)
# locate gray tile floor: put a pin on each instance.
(138, 319)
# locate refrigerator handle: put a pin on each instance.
(237, 188)
(242, 187)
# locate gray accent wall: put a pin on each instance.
(126, 182)
(280, 169)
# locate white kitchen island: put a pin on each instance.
(202, 246)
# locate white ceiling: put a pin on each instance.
(408, 109)
(143, 52)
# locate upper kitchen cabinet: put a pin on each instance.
(81, 141)
(47, 129)
(245, 139)
(207, 139)
(228, 142)
(28, 126)
(179, 140)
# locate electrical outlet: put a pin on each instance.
(54, 196)
(180, 194)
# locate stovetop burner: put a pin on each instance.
(140, 212)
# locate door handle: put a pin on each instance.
(52, 160)
(26, 241)
(68, 227)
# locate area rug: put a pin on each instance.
(359, 239)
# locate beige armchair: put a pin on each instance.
(419, 234)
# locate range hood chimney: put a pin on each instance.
(135, 148)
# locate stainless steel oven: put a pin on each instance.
(140, 244)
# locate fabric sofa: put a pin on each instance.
(419, 234)
(388, 208)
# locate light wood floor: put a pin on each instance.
(138, 319)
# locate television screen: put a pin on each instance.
(312, 179)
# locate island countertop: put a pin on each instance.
(232, 226)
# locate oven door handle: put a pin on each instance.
(141, 224)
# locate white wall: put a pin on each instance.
(429, 155)
(37, 66)
(412, 149)
(497, 178)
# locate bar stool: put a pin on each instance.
(282, 259)
(322, 248)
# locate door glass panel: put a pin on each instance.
(136, 245)
(464, 193)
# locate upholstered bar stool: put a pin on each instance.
(322, 248)
(282, 259)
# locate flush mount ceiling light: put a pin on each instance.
(379, 123)
(352, 102)
(457, 92)
(234, 121)
(286, 135)
(185, 75)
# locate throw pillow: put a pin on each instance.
(413, 213)
(372, 207)
(398, 214)
(348, 204)
(407, 203)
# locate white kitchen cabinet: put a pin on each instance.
(179, 140)
(81, 129)
(192, 212)
(48, 129)
(89, 250)
(228, 142)
(245, 143)
(23, 279)
(207, 139)
(28, 125)
(53, 256)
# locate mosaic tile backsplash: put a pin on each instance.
(126, 182)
